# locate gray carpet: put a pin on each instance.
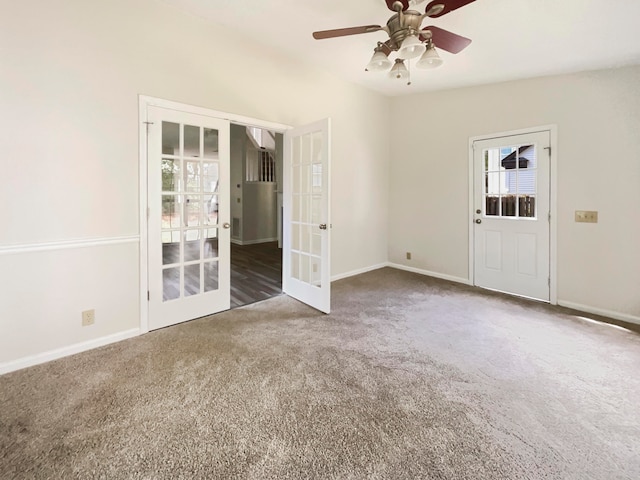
(409, 377)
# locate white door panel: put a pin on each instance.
(188, 200)
(306, 223)
(511, 221)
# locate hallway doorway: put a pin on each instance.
(256, 214)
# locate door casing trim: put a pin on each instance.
(144, 102)
(553, 201)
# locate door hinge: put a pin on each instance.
(549, 217)
(549, 149)
(549, 281)
(148, 296)
(148, 213)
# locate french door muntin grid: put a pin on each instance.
(501, 202)
(188, 178)
(306, 239)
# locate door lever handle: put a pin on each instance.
(323, 226)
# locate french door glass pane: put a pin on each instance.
(210, 249)
(211, 276)
(170, 174)
(171, 283)
(170, 211)
(192, 176)
(191, 141)
(210, 143)
(170, 138)
(191, 245)
(185, 217)
(191, 280)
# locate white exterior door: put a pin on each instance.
(188, 229)
(306, 223)
(511, 214)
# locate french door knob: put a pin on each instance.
(226, 225)
(323, 226)
(478, 220)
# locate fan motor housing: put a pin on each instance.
(403, 24)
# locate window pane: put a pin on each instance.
(211, 243)
(305, 149)
(295, 236)
(170, 247)
(210, 173)
(295, 266)
(191, 141)
(210, 276)
(170, 138)
(192, 176)
(316, 145)
(170, 175)
(210, 143)
(170, 284)
(492, 205)
(191, 245)
(191, 280)
(192, 211)
(509, 206)
(211, 210)
(170, 211)
(527, 204)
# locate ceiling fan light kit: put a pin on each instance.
(379, 61)
(430, 58)
(399, 70)
(407, 38)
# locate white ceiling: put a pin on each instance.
(512, 39)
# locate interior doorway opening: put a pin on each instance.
(256, 214)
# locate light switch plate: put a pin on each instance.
(586, 216)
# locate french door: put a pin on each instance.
(188, 216)
(306, 223)
(511, 214)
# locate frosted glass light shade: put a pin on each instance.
(379, 62)
(411, 48)
(399, 70)
(430, 59)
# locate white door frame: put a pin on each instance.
(144, 102)
(553, 202)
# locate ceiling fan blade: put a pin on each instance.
(405, 4)
(342, 32)
(449, 6)
(446, 40)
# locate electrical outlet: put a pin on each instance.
(88, 318)
(408, 255)
(585, 216)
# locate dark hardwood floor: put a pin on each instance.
(256, 273)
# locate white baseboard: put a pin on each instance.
(235, 241)
(66, 351)
(358, 272)
(428, 273)
(625, 317)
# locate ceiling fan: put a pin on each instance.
(407, 37)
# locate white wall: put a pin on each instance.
(71, 73)
(598, 120)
